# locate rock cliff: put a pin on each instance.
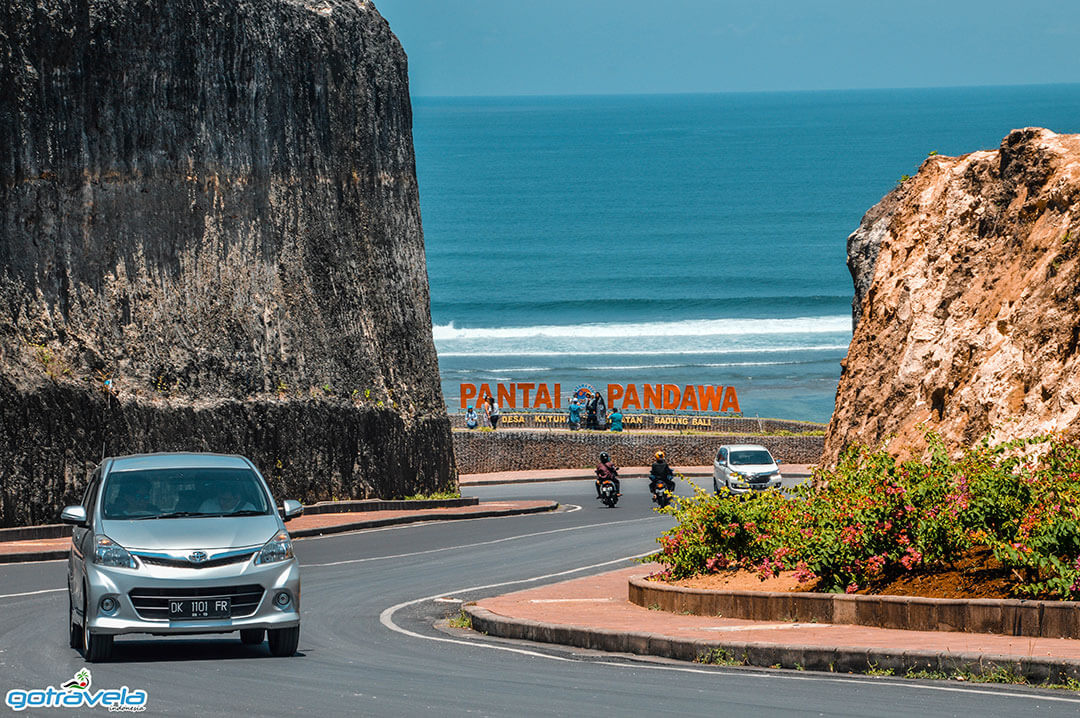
(210, 239)
(967, 301)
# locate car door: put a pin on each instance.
(81, 538)
(721, 474)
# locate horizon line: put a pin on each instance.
(541, 95)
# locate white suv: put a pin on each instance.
(742, 468)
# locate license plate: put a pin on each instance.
(200, 608)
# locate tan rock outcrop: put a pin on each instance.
(971, 317)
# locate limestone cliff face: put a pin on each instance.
(213, 206)
(968, 301)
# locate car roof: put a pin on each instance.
(743, 447)
(173, 460)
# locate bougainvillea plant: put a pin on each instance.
(873, 516)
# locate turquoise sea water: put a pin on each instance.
(685, 239)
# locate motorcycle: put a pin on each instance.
(608, 494)
(661, 492)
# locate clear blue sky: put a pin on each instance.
(560, 47)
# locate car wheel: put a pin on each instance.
(715, 485)
(283, 641)
(251, 636)
(74, 629)
(96, 646)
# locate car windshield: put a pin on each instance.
(750, 457)
(183, 492)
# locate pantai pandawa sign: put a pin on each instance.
(670, 397)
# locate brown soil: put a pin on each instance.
(743, 580)
(976, 575)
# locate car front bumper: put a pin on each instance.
(128, 585)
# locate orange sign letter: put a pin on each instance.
(468, 391)
(614, 393)
(731, 400)
(671, 396)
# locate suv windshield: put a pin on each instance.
(746, 458)
(183, 492)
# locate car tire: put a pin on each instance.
(252, 636)
(715, 485)
(283, 641)
(74, 629)
(95, 646)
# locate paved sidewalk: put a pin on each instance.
(310, 525)
(797, 471)
(594, 612)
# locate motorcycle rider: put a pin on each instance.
(661, 473)
(605, 470)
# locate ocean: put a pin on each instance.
(681, 239)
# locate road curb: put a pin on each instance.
(50, 531)
(28, 556)
(836, 659)
(396, 520)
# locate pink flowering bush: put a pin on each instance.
(872, 518)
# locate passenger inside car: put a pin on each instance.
(228, 500)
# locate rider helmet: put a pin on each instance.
(605, 457)
(660, 454)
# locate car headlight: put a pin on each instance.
(109, 553)
(276, 549)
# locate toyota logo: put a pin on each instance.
(197, 556)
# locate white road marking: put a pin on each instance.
(386, 618)
(473, 545)
(415, 524)
(447, 600)
(32, 593)
(572, 508)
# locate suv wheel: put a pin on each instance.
(251, 636)
(283, 641)
(96, 646)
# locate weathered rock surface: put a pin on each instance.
(213, 206)
(970, 319)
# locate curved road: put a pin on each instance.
(368, 645)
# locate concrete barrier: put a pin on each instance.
(1009, 617)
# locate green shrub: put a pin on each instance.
(872, 517)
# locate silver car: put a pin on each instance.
(181, 544)
(742, 468)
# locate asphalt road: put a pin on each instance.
(368, 645)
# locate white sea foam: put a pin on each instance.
(684, 328)
(659, 352)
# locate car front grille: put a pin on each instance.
(184, 563)
(153, 603)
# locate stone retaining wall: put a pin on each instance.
(479, 452)
(1009, 617)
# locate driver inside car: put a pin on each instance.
(227, 501)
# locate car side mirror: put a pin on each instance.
(74, 515)
(291, 509)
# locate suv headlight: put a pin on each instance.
(276, 549)
(109, 553)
